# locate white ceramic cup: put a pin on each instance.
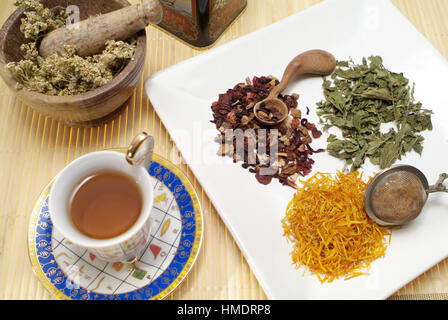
(129, 245)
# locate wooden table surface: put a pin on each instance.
(34, 148)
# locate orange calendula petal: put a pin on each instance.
(332, 235)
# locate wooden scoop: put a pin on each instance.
(316, 62)
(90, 35)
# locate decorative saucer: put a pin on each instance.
(71, 272)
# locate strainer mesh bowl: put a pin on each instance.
(397, 197)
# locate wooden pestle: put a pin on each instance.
(90, 35)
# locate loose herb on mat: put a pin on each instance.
(358, 100)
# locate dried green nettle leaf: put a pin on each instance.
(358, 100)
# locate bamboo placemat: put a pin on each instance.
(33, 148)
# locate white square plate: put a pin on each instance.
(182, 96)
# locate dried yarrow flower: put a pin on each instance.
(38, 20)
(66, 73)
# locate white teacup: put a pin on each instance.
(125, 247)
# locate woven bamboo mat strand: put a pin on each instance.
(33, 148)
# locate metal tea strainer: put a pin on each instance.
(397, 195)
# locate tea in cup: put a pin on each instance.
(103, 200)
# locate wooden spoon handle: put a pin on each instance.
(318, 62)
(89, 36)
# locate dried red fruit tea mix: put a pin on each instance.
(234, 111)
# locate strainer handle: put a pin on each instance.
(439, 186)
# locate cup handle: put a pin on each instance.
(140, 150)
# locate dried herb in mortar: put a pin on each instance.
(359, 99)
(68, 73)
(38, 20)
